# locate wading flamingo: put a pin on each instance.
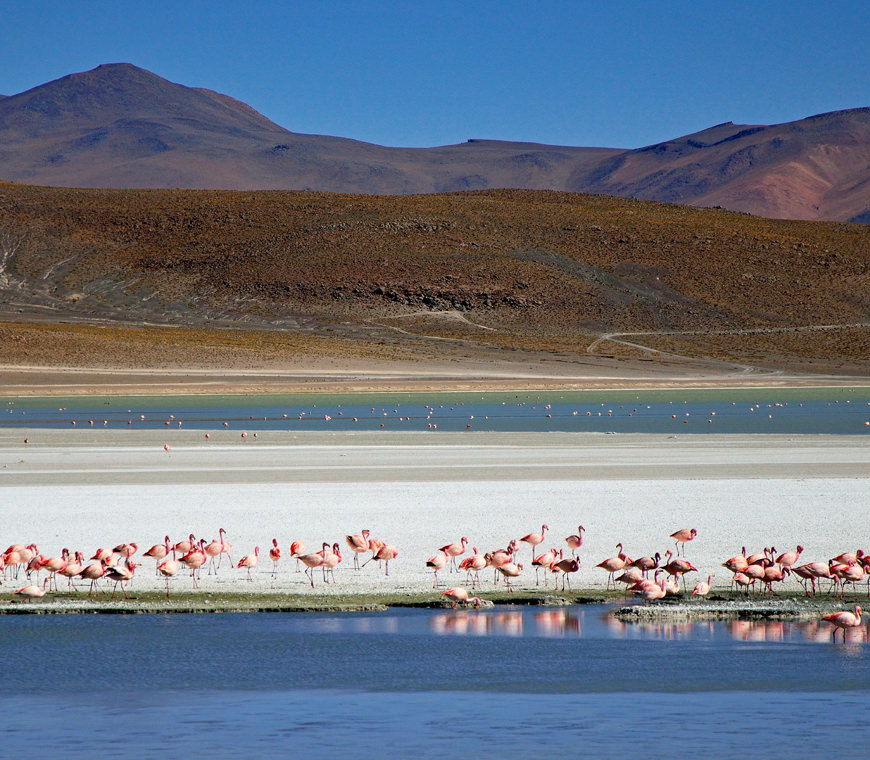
(459, 594)
(844, 620)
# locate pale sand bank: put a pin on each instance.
(87, 488)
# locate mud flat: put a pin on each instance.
(84, 489)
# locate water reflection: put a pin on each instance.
(569, 623)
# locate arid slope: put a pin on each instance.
(500, 270)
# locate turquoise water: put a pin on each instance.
(780, 411)
(423, 682)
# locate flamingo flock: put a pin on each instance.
(117, 566)
(761, 572)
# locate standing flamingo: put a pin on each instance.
(544, 560)
(613, 564)
(250, 561)
(436, 562)
(297, 548)
(702, 588)
(359, 544)
(510, 570)
(332, 560)
(576, 541)
(274, 555)
(533, 539)
(453, 551)
(566, 566)
(682, 537)
(473, 564)
(311, 561)
(386, 553)
(158, 552)
(195, 559)
(121, 574)
(167, 569)
(93, 573)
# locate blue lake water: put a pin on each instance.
(422, 682)
(781, 411)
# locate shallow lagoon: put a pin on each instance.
(752, 411)
(421, 682)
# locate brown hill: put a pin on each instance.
(490, 271)
(121, 126)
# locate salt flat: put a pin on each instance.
(98, 488)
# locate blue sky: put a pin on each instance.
(617, 74)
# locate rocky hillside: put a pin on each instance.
(506, 269)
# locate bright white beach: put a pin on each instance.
(90, 489)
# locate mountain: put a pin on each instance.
(121, 126)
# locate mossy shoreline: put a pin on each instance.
(721, 606)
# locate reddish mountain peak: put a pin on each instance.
(118, 91)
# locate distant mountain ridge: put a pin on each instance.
(121, 126)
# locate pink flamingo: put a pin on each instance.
(544, 560)
(567, 566)
(194, 560)
(576, 541)
(844, 620)
(473, 564)
(453, 551)
(359, 544)
(332, 560)
(54, 565)
(311, 561)
(678, 567)
(183, 547)
(787, 559)
(437, 562)
(386, 553)
(122, 574)
(31, 592)
(510, 570)
(158, 552)
(613, 564)
(93, 573)
(167, 569)
(126, 550)
(683, 537)
(702, 588)
(274, 555)
(460, 594)
(816, 571)
(645, 564)
(737, 563)
(297, 548)
(534, 539)
(250, 561)
(73, 568)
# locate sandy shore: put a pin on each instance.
(85, 489)
(325, 376)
